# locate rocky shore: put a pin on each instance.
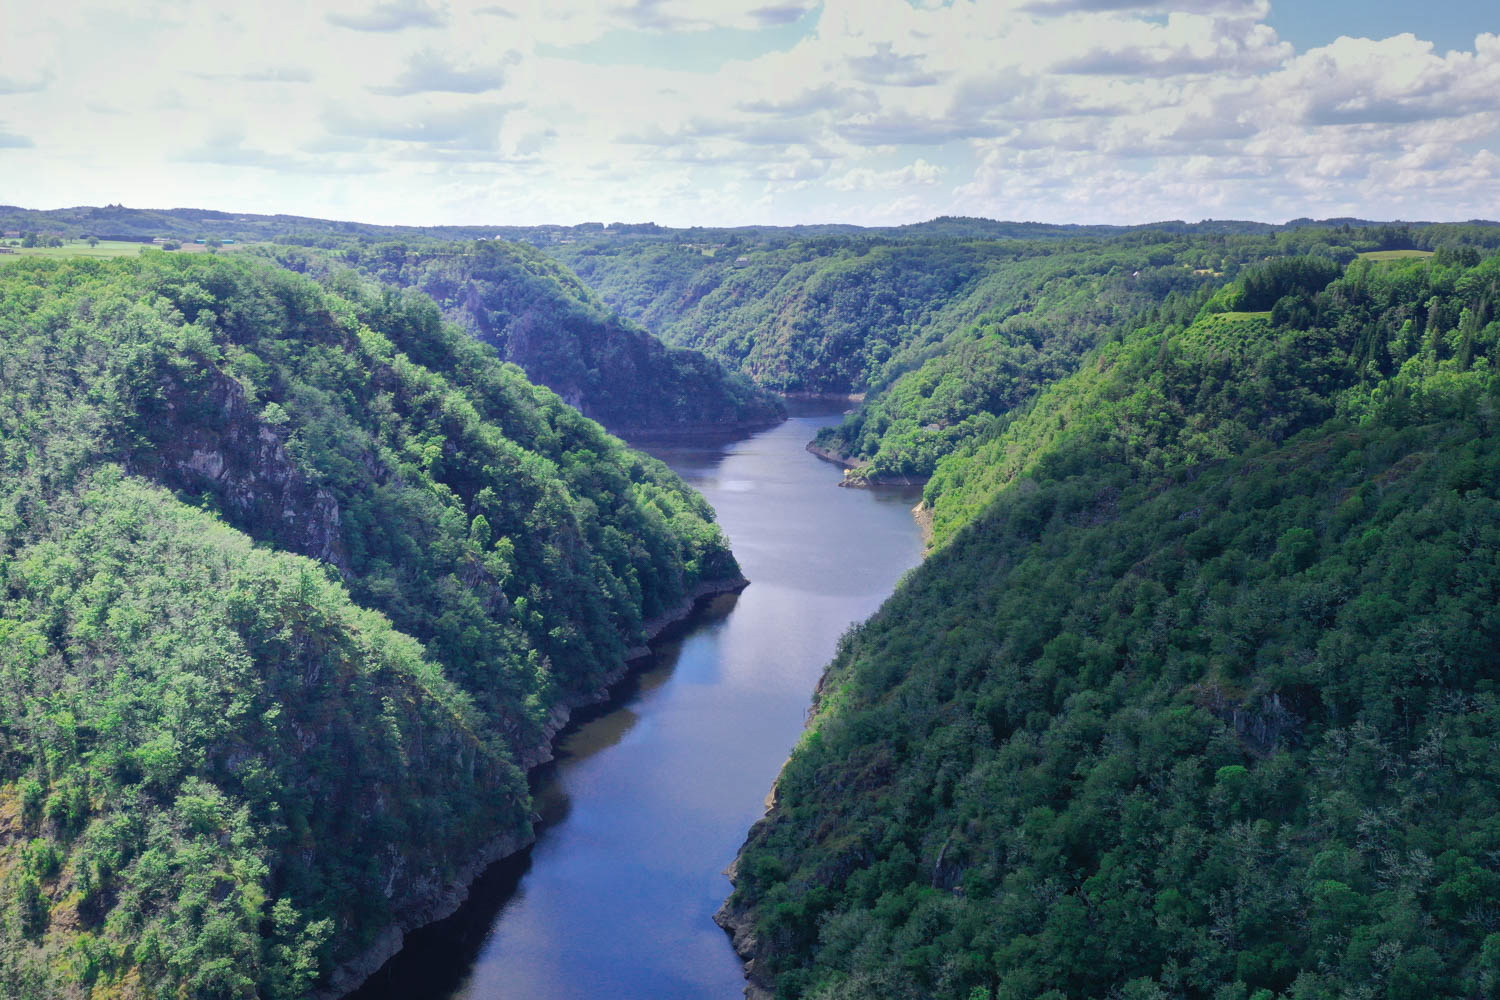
(739, 924)
(827, 455)
(852, 478)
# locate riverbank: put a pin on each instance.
(650, 793)
(924, 512)
(852, 478)
(739, 924)
(444, 901)
(828, 455)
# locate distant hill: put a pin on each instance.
(538, 315)
(118, 221)
(945, 334)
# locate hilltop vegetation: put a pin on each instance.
(1196, 696)
(945, 333)
(292, 580)
(538, 315)
(118, 221)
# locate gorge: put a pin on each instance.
(650, 797)
(1192, 696)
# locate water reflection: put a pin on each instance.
(652, 792)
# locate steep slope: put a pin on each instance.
(1196, 696)
(946, 337)
(293, 584)
(960, 378)
(540, 316)
(813, 316)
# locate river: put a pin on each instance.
(652, 793)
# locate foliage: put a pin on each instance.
(1196, 696)
(540, 316)
(1041, 315)
(225, 768)
(951, 325)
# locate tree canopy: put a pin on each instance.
(1196, 696)
(292, 578)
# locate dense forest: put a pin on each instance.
(827, 315)
(943, 333)
(1196, 695)
(295, 581)
(121, 222)
(538, 315)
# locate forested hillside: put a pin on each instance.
(1196, 696)
(121, 222)
(294, 581)
(1023, 326)
(538, 315)
(817, 315)
(946, 336)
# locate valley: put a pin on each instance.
(309, 553)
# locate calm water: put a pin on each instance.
(650, 797)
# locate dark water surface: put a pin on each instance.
(651, 796)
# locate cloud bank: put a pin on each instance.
(846, 110)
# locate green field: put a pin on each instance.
(78, 248)
(1238, 316)
(106, 248)
(1394, 254)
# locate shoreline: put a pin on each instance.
(825, 397)
(813, 448)
(924, 515)
(739, 924)
(350, 975)
(858, 483)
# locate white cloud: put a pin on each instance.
(14, 85)
(446, 111)
(865, 179)
(693, 15)
(475, 127)
(429, 72)
(396, 15)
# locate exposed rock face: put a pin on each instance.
(211, 440)
(1262, 724)
(419, 909)
(740, 925)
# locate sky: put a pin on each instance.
(732, 112)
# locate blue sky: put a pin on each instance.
(1451, 24)
(757, 111)
(1448, 24)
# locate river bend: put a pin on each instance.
(652, 793)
